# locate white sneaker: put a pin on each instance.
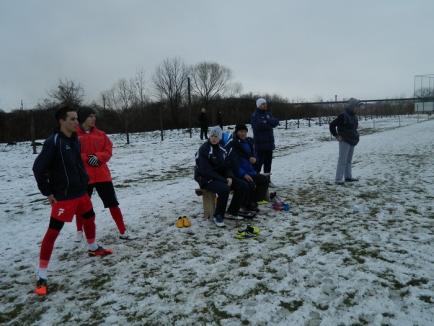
(79, 236)
(219, 221)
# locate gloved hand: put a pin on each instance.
(93, 160)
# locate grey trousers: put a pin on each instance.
(344, 162)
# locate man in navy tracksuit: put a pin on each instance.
(213, 172)
(344, 128)
(241, 154)
(263, 123)
(61, 176)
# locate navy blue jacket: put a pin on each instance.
(239, 153)
(262, 124)
(211, 164)
(346, 124)
(59, 170)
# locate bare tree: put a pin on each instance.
(210, 80)
(138, 85)
(170, 81)
(67, 92)
(121, 99)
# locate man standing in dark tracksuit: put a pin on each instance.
(344, 128)
(62, 178)
(263, 124)
(203, 122)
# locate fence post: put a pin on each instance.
(32, 133)
(286, 124)
(161, 122)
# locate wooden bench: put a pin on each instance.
(208, 201)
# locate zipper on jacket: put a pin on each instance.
(64, 168)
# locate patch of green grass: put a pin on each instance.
(411, 210)
(321, 306)
(417, 281)
(11, 314)
(292, 305)
(97, 282)
(369, 195)
(374, 211)
(426, 298)
(260, 288)
(219, 314)
(302, 253)
(388, 314)
(330, 247)
(349, 299)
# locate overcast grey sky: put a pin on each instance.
(297, 49)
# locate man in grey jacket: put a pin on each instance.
(344, 128)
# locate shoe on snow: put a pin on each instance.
(186, 221)
(179, 222)
(41, 287)
(100, 251)
(219, 221)
(351, 180)
(249, 232)
(126, 237)
(234, 216)
(246, 214)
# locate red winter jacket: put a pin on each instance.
(95, 142)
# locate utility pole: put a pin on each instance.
(189, 104)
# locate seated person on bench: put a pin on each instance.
(242, 157)
(213, 173)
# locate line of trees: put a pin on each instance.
(139, 104)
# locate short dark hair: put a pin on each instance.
(63, 109)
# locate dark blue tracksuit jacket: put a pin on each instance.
(58, 169)
(262, 124)
(239, 152)
(211, 164)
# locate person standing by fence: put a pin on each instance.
(263, 124)
(344, 128)
(203, 122)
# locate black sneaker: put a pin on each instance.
(253, 207)
(246, 214)
(234, 216)
(351, 180)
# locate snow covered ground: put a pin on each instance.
(358, 254)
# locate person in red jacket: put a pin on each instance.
(96, 151)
